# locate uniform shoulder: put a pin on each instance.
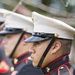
(66, 70)
(30, 70)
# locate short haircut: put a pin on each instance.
(65, 46)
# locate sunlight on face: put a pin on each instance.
(37, 51)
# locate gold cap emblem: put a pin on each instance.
(56, 35)
(25, 29)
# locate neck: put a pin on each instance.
(20, 52)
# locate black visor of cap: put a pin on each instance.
(36, 37)
(6, 31)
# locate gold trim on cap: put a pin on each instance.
(48, 69)
(32, 18)
(56, 35)
(25, 29)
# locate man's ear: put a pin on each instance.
(56, 47)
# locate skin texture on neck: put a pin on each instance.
(54, 53)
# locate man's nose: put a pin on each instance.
(32, 50)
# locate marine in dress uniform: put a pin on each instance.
(51, 45)
(19, 25)
(5, 63)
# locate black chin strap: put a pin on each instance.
(46, 51)
(17, 44)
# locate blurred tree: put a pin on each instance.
(46, 2)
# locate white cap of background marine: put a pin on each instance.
(15, 23)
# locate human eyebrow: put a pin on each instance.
(37, 43)
(8, 35)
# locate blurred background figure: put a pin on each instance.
(5, 63)
(17, 29)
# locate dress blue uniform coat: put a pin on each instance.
(5, 62)
(60, 66)
(24, 66)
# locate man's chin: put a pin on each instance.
(34, 64)
(7, 54)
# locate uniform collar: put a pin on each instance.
(19, 59)
(51, 67)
